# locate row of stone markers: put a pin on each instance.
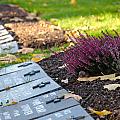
(27, 93)
(7, 42)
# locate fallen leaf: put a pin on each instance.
(8, 58)
(14, 102)
(70, 95)
(71, 44)
(26, 50)
(11, 103)
(100, 113)
(37, 57)
(65, 81)
(105, 77)
(63, 66)
(112, 86)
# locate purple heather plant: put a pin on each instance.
(94, 55)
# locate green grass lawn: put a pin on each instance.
(89, 15)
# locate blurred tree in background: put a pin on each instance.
(73, 2)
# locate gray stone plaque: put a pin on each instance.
(6, 38)
(3, 32)
(21, 66)
(1, 27)
(28, 90)
(38, 107)
(10, 47)
(72, 113)
(7, 43)
(21, 77)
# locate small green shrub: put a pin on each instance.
(94, 55)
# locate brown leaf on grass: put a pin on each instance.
(99, 113)
(70, 95)
(8, 58)
(37, 57)
(26, 50)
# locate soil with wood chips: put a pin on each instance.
(92, 92)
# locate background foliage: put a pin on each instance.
(90, 15)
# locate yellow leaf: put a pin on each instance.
(36, 59)
(14, 102)
(11, 103)
(100, 113)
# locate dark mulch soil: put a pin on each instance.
(93, 93)
(13, 13)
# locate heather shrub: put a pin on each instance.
(94, 55)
